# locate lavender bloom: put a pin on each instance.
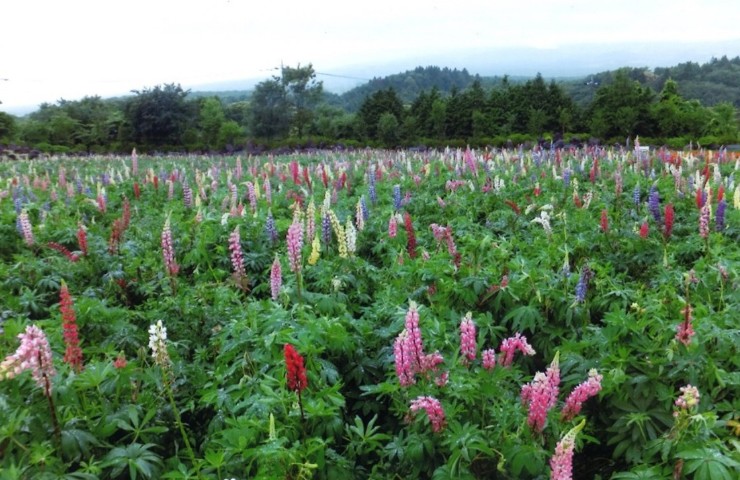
(371, 188)
(719, 217)
(270, 229)
(582, 287)
(363, 207)
(654, 204)
(566, 177)
(397, 197)
(326, 230)
(636, 195)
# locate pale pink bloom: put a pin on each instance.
(276, 278)
(561, 463)
(689, 397)
(392, 226)
(403, 360)
(33, 354)
(489, 359)
(237, 257)
(168, 250)
(468, 345)
(294, 240)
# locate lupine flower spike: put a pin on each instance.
(541, 394)
(580, 394)
(296, 373)
(561, 463)
(276, 278)
(168, 250)
(73, 352)
(433, 409)
(468, 347)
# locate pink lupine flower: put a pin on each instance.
(25, 224)
(433, 409)
(101, 203)
(237, 256)
(704, 220)
(82, 239)
(276, 278)
(561, 463)
(580, 394)
(252, 196)
(489, 359)
(510, 345)
(604, 221)
(168, 250)
(644, 229)
(392, 226)
(403, 360)
(294, 240)
(134, 162)
(541, 394)
(33, 354)
(468, 345)
(416, 346)
(120, 361)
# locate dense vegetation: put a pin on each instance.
(677, 106)
(373, 314)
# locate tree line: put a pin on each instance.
(292, 110)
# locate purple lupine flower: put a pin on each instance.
(270, 230)
(187, 195)
(566, 177)
(371, 188)
(719, 217)
(363, 207)
(326, 230)
(582, 286)
(168, 250)
(397, 197)
(654, 204)
(636, 195)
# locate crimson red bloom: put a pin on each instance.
(668, 225)
(411, 236)
(73, 352)
(297, 380)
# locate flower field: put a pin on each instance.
(371, 314)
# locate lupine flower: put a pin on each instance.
(168, 250)
(63, 250)
(270, 229)
(126, 213)
(351, 234)
(371, 186)
(359, 215)
(704, 220)
(116, 234)
(668, 226)
(33, 354)
(404, 360)
(340, 233)
(685, 328)
(326, 229)
(510, 345)
(644, 230)
(311, 219)
(433, 409)
(561, 463)
(699, 196)
(654, 203)
(297, 380)
(252, 197)
(187, 195)
(268, 190)
(580, 394)
(541, 394)
(719, 218)
(276, 278)
(392, 226)
(414, 336)
(158, 344)
(544, 220)
(294, 239)
(120, 361)
(582, 286)
(82, 239)
(566, 177)
(73, 352)
(689, 398)
(636, 195)
(26, 229)
(736, 198)
(468, 343)
(410, 236)
(489, 359)
(315, 251)
(604, 221)
(396, 197)
(134, 162)
(237, 256)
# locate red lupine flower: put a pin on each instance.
(63, 250)
(297, 380)
(604, 221)
(699, 198)
(137, 190)
(644, 229)
(580, 394)
(82, 239)
(668, 225)
(116, 235)
(126, 217)
(73, 352)
(434, 411)
(411, 237)
(120, 361)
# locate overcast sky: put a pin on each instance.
(52, 49)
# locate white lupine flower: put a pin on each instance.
(158, 344)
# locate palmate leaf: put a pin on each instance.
(137, 457)
(524, 317)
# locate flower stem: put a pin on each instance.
(178, 420)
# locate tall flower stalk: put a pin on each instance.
(237, 259)
(73, 352)
(561, 463)
(296, 374)
(294, 240)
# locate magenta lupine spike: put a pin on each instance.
(403, 360)
(580, 394)
(276, 278)
(561, 463)
(468, 345)
(510, 345)
(26, 228)
(489, 359)
(541, 394)
(168, 250)
(294, 240)
(237, 256)
(433, 409)
(33, 354)
(252, 196)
